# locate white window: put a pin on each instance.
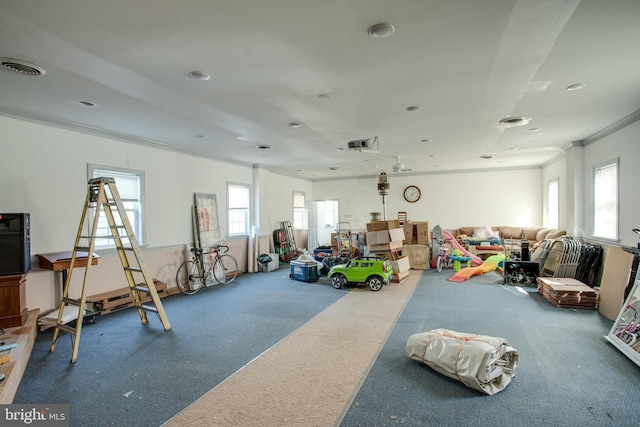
(238, 209)
(298, 210)
(130, 185)
(605, 200)
(553, 208)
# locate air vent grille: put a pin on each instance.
(22, 67)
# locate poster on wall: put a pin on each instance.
(206, 224)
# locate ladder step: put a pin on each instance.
(66, 328)
(148, 307)
(71, 301)
(137, 270)
(82, 249)
(141, 288)
(124, 248)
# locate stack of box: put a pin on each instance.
(567, 292)
(385, 238)
(417, 237)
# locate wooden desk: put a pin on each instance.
(61, 261)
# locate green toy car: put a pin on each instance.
(372, 271)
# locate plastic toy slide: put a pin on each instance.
(475, 260)
(490, 264)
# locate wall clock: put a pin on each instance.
(412, 194)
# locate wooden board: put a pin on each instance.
(615, 276)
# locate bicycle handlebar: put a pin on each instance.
(216, 248)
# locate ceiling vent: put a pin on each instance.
(22, 67)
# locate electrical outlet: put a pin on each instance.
(166, 268)
(240, 255)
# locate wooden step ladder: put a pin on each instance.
(103, 196)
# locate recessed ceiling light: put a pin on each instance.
(22, 67)
(414, 108)
(514, 121)
(87, 104)
(381, 30)
(295, 125)
(576, 86)
(514, 148)
(324, 96)
(333, 168)
(339, 149)
(425, 140)
(199, 136)
(534, 130)
(487, 156)
(199, 75)
(264, 147)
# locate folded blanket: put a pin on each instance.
(480, 362)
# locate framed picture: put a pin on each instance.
(625, 333)
(206, 223)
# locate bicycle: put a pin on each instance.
(194, 274)
(443, 259)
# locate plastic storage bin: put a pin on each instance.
(304, 271)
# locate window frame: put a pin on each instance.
(597, 168)
(232, 210)
(138, 223)
(555, 182)
(301, 210)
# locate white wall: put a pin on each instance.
(623, 144)
(43, 171)
(451, 200)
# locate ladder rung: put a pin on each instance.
(71, 301)
(82, 249)
(124, 248)
(148, 307)
(137, 270)
(110, 204)
(66, 328)
(141, 288)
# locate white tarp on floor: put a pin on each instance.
(480, 362)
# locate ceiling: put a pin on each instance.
(122, 68)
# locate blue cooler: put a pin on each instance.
(305, 271)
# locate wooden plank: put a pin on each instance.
(25, 337)
(615, 276)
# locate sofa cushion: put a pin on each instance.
(508, 232)
(542, 234)
(554, 234)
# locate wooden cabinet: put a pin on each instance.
(13, 306)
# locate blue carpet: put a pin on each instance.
(568, 375)
(129, 374)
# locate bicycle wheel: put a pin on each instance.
(439, 263)
(188, 278)
(225, 269)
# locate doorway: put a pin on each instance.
(322, 219)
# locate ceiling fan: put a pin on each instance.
(399, 166)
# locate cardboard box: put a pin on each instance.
(399, 277)
(386, 247)
(417, 232)
(383, 225)
(384, 236)
(418, 255)
(401, 265)
(423, 233)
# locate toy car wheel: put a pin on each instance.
(337, 281)
(375, 283)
